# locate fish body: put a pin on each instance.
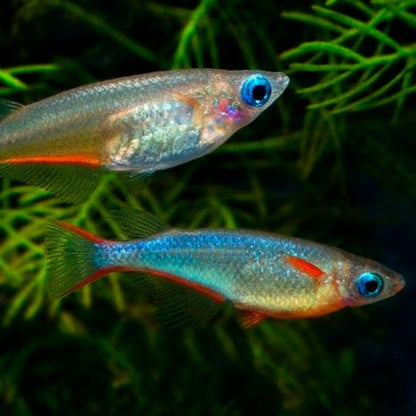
(138, 124)
(264, 275)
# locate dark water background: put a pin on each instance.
(347, 181)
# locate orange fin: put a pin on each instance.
(72, 183)
(304, 266)
(250, 318)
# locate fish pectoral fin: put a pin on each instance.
(250, 318)
(304, 266)
(133, 179)
(138, 224)
(72, 183)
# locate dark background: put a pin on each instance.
(344, 179)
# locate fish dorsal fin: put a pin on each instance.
(72, 183)
(138, 224)
(7, 107)
(176, 305)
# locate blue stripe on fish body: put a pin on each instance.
(244, 267)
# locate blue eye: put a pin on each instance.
(256, 90)
(369, 284)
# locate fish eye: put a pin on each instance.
(369, 284)
(256, 90)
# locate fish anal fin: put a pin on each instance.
(72, 183)
(215, 296)
(250, 318)
(304, 266)
(179, 303)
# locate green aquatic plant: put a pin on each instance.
(359, 59)
(360, 63)
(10, 77)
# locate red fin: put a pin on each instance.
(304, 266)
(80, 231)
(82, 160)
(250, 318)
(95, 276)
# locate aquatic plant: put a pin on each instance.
(361, 64)
(295, 171)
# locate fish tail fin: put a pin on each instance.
(71, 254)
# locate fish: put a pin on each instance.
(262, 275)
(137, 125)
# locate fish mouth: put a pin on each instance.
(282, 82)
(399, 283)
(285, 82)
